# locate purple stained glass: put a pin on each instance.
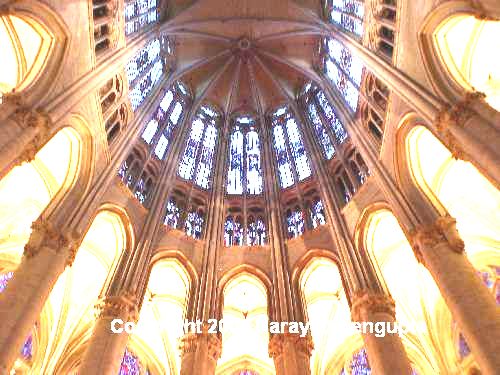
(138, 14)
(335, 124)
(318, 214)
(295, 223)
(348, 14)
(321, 134)
(27, 350)
(463, 347)
(359, 364)
(130, 364)
(4, 279)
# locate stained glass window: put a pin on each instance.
(194, 224)
(319, 129)
(130, 364)
(335, 124)
(463, 347)
(4, 279)
(317, 214)
(229, 231)
(199, 152)
(295, 223)
(256, 232)
(159, 131)
(173, 214)
(244, 159)
(359, 364)
(144, 71)
(288, 145)
(138, 14)
(344, 70)
(27, 350)
(348, 14)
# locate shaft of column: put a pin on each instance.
(440, 248)
(46, 255)
(200, 353)
(387, 354)
(291, 354)
(455, 122)
(105, 349)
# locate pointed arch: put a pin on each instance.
(36, 42)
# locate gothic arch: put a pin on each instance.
(439, 54)
(69, 309)
(38, 21)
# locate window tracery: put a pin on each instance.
(194, 223)
(138, 176)
(198, 157)
(160, 130)
(288, 145)
(347, 14)
(139, 14)
(317, 213)
(146, 68)
(185, 212)
(256, 232)
(295, 222)
(244, 169)
(131, 365)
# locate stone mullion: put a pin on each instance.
(466, 133)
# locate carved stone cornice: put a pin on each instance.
(367, 302)
(189, 343)
(45, 234)
(457, 115)
(442, 231)
(278, 343)
(124, 306)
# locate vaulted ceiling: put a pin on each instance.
(245, 55)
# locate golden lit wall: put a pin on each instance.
(470, 50)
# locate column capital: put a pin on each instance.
(443, 230)
(190, 342)
(45, 234)
(367, 302)
(457, 114)
(278, 342)
(124, 306)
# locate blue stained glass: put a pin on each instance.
(254, 172)
(161, 147)
(298, 150)
(463, 347)
(167, 100)
(207, 157)
(145, 85)
(4, 279)
(348, 14)
(344, 70)
(295, 223)
(138, 14)
(235, 176)
(256, 232)
(176, 113)
(321, 134)
(282, 159)
(359, 364)
(317, 214)
(145, 57)
(186, 168)
(335, 124)
(173, 214)
(194, 225)
(27, 350)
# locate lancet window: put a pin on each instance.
(317, 212)
(139, 176)
(131, 365)
(256, 231)
(344, 70)
(139, 14)
(292, 160)
(159, 131)
(194, 223)
(358, 364)
(146, 68)
(244, 169)
(348, 14)
(198, 158)
(329, 131)
(295, 222)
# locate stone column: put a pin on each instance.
(291, 354)
(387, 354)
(24, 133)
(48, 252)
(439, 247)
(106, 348)
(456, 123)
(487, 9)
(200, 353)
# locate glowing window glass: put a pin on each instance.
(150, 131)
